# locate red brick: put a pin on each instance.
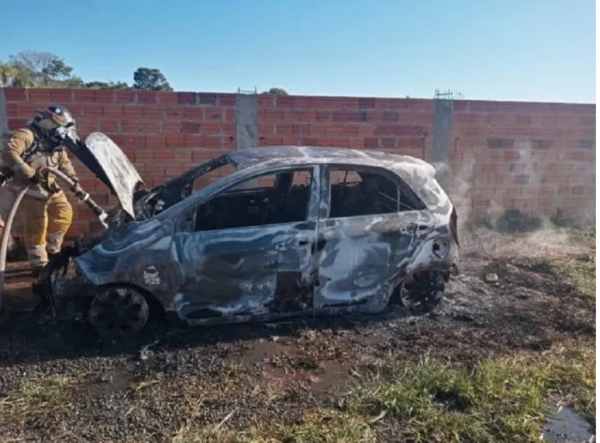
(140, 126)
(155, 141)
(62, 96)
(144, 155)
(511, 155)
(163, 155)
(175, 141)
(103, 95)
(147, 97)
(25, 110)
(173, 170)
(301, 102)
(172, 112)
(500, 143)
(190, 127)
(133, 141)
(167, 98)
(318, 129)
(193, 113)
(182, 155)
(346, 102)
(133, 111)
(170, 127)
(109, 126)
(125, 97)
(193, 141)
(15, 94)
(92, 111)
(155, 170)
(398, 130)
(201, 156)
(16, 123)
(12, 109)
(411, 143)
(283, 101)
(265, 101)
(348, 116)
(227, 99)
(269, 116)
(186, 98)
(154, 112)
(411, 104)
(214, 114)
(112, 110)
(356, 143)
(79, 96)
(367, 103)
(324, 116)
(87, 126)
(208, 98)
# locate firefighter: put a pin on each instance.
(45, 211)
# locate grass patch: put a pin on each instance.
(579, 271)
(323, 426)
(37, 402)
(499, 400)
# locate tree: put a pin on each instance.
(278, 91)
(35, 69)
(14, 76)
(56, 70)
(150, 79)
(72, 82)
(118, 85)
(106, 85)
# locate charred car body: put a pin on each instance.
(292, 230)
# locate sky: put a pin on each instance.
(530, 50)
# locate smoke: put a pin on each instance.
(543, 237)
(547, 241)
(458, 184)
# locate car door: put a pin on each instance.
(361, 234)
(252, 254)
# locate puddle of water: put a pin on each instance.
(566, 426)
(326, 377)
(116, 380)
(331, 374)
(262, 350)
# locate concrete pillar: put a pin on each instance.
(246, 121)
(246, 125)
(442, 137)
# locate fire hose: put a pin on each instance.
(81, 195)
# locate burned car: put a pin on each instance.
(293, 230)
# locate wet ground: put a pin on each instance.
(245, 374)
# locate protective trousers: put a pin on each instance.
(45, 224)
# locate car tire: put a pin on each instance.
(422, 292)
(118, 311)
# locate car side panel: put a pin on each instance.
(248, 271)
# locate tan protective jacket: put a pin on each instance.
(21, 140)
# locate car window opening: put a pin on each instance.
(357, 193)
(269, 199)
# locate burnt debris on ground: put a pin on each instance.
(333, 379)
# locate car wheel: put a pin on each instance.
(422, 292)
(118, 311)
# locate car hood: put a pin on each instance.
(109, 163)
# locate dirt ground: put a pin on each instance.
(58, 382)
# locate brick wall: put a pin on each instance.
(535, 157)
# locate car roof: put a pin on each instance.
(299, 155)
